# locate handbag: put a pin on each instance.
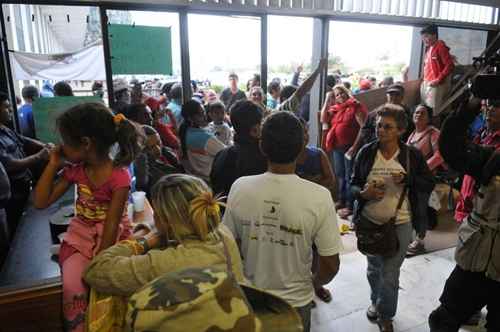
(381, 240)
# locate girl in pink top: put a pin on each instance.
(87, 133)
(425, 138)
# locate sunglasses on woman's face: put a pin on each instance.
(255, 94)
(385, 126)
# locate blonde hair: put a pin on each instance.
(184, 206)
(343, 89)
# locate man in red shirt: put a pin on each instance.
(438, 65)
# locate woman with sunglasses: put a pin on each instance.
(380, 176)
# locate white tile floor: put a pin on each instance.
(421, 282)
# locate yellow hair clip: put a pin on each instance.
(118, 118)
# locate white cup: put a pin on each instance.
(138, 198)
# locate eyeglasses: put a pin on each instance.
(385, 126)
(255, 94)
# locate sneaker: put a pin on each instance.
(372, 313)
(385, 325)
(417, 247)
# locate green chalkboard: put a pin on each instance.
(46, 111)
(140, 50)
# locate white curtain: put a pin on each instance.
(86, 64)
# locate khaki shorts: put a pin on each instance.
(435, 96)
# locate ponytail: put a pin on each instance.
(204, 212)
(129, 138)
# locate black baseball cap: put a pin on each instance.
(396, 88)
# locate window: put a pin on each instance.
(357, 50)
(159, 33)
(220, 45)
(289, 45)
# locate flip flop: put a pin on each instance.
(323, 294)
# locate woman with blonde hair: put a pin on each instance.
(342, 116)
(188, 235)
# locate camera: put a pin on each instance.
(486, 85)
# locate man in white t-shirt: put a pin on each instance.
(277, 217)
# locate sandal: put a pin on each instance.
(323, 294)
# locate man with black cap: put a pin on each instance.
(438, 65)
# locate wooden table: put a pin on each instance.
(30, 283)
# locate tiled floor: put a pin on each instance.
(421, 282)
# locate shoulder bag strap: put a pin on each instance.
(405, 187)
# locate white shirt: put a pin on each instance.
(222, 131)
(380, 211)
(278, 218)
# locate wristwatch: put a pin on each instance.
(143, 243)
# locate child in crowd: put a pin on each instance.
(87, 133)
(274, 89)
(154, 162)
(244, 157)
(218, 127)
(313, 165)
(199, 147)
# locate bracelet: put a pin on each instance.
(143, 243)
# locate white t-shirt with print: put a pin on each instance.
(278, 217)
(380, 211)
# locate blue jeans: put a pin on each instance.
(343, 171)
(383, 275)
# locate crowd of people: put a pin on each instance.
(278, 229)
